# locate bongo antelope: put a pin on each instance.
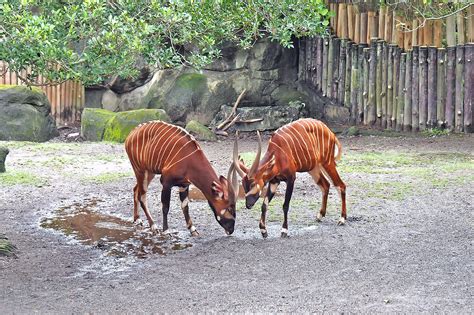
(160, 148)
(305, 145)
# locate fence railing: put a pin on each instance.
(400, 87)
(67, 99)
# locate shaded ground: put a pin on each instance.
(407, 246)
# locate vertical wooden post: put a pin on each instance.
(388, 26)
(428, 34)
(437, 33)
(408, 88)
(341, 80)
(302, 59)
(335, 67)
(381, 27)
(396, 87)
(347, 76)
(414, 33)
(319, 62)
(371, 104)
(407, 36)
(332, 19)
(459, 106)
(330, 73)
(469, 86)
(401, 36)
(432, 93)
(383, 93)
(451, 31)
(401, 92)
(461, 29)
(357, 28)
(378, 83)
(423, 87)
(350, 21)
(390, 71)
(470, 24)
(450, 87)
(342, 20)
(441, 88)
(354, 83)
(325, 66)
(366, 70)
(363, 28)
(372, 27)
(361, 90)
(415, 116)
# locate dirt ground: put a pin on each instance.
(407, 246)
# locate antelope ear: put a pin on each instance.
(221, 190)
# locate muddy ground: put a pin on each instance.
(407, 245)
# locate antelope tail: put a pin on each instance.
(339, 150)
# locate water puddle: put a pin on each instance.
(115, 236)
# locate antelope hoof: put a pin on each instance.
(194, 233)
(264, 233)
(284, 233)
(341, 221)
(138, 222)
(319, 217)
(154, 228)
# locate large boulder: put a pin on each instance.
(122, 123)
(3, 156)
(93, 122)
(25, 114)
(273, 117)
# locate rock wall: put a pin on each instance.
(267, 71)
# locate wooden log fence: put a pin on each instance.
(67, 99)
(395, 79)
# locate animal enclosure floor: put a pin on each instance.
(407, 246)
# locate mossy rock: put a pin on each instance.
(93, 122)
(185, 94)
(119, 126)
(3, 155)
(25, 114)
(200, 131)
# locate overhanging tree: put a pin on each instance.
(94, 40)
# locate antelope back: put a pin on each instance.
(155, 146)
(306, 143)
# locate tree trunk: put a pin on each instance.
(469, 86)
(378, 84)
(324, 82)
(366, 70)
(335, 67)
(459, 107)
(319, 63)
(450, 87)
(384, 61)
(407, 109)
(341, 80)
(432, 77)
(347, 76)
(415, 85)
(396, 93)
(390, 65)
(361, 89)
(371, 105)
(354, 83)
(401, 92)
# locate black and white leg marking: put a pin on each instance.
(271, 190)
(183, 196)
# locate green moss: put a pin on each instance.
(118, 128)
(21, 88)
(93, 123)
(201, 131)
(191, 81)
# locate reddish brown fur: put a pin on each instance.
(306, 145)
(161, 148)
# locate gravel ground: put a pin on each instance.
(407, 246)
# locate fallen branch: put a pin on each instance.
(233, 113)
(249, 121)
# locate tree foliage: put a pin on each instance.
(92, 40)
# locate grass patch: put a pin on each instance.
(12, 178)
(107, 177)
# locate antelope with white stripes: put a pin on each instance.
(305, 145)
(160, 148)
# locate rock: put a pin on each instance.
(93, 122)
(121, 86)
(200, 131)
(3, 156)
(110, 101)
(273, 116)
(120, 125)
(25, 114)
(339, 114)
(93, 96)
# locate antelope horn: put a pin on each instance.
(255, 164)
(234, 183)
(236, 157)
